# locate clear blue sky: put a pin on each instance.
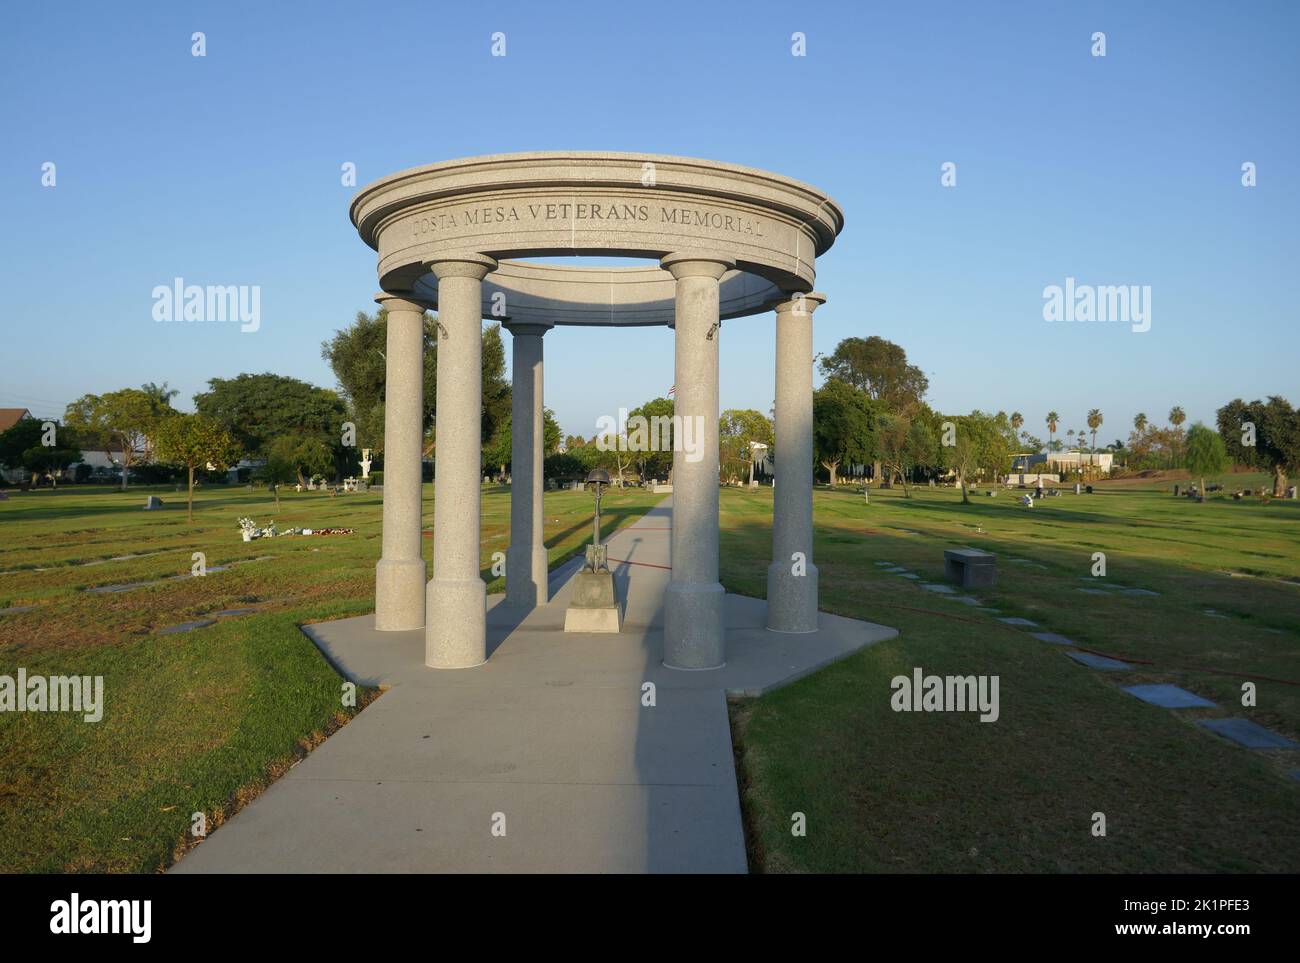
(225, 170)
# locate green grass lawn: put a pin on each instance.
(943, 792)
(197, 721)
(201, 721)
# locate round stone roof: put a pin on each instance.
(512, 207)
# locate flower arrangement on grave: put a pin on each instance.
(250, 530)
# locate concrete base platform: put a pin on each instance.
(594, 755)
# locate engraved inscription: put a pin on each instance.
(455, 220)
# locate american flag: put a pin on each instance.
(672, 391)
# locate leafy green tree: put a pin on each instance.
(657, 461)
(119, 421)
(1276, 437)
(38, 450)
(907, 439)
(738, 430)
(563, 465)
(258, 409)
(357, 356)
(305, 456)
(844, 425)
(195, 441)
(1206, 454)
(497, 453)
(879, 368)
(17, 440)
(979, 444)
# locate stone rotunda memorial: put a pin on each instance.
(722, 243)
(596, 748)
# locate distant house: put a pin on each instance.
(11, 416)
(1070, 460)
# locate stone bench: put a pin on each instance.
(970, 567)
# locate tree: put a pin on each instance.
(51, 459)
(880, 369)
(162, 394)
(843, 426)
(498, 451)
(39, 447)
(656, 461)
(877, 367)
(121, 421)
(1053, 419)
(258, 409)
(20, 437)
(975, 444)
(1017, 421)
(1206, 454)
(1176, 418)
(357, 356)
(1140, 422)
(1095, 420)
(738, 430)
(282, 465)
(907, 439)
(1274, 444)
(196, 441)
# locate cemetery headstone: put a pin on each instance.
(154, 502)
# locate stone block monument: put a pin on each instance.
(594, 607)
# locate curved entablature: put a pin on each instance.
(551, 295)
(511, 206)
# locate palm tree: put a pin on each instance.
(163, 394)
(1052, 419)
(1094, 422)
(1176, 418)
(1140, 422)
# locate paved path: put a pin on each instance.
(550, 735)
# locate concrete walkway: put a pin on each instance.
(549, 737)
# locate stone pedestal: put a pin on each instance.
(594, 606)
